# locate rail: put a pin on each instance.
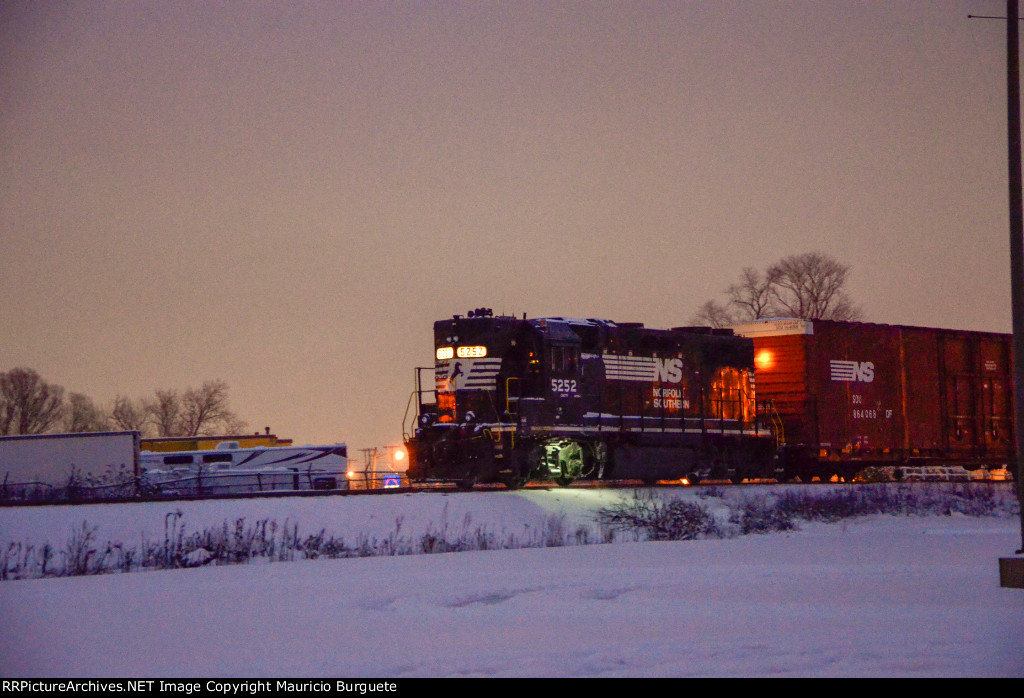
(56, 496)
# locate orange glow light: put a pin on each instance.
(764, 360)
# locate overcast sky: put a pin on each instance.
(286, 195)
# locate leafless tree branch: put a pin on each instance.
(28, 404)
(811, 286)
(81, 414)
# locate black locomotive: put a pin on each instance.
(565, 399)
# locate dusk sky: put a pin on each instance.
(287, 195)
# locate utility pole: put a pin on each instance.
(1011, 570)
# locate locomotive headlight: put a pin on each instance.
(444, 353)
(471, 352)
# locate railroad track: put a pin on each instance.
(438, 487)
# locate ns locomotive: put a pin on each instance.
(565, 399)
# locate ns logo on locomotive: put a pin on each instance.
(562, 399)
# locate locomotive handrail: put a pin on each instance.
(508, 395)
(405, 418)
(776, 421)
(416, 393)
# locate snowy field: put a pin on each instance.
(878, 596)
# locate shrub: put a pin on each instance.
(646, 515)
(757, 515)
(673, 519)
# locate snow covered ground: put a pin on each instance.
(879, 596)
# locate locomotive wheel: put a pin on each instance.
(515, 482)
(466, 484)
(571, 464)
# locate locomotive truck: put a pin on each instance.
(565, 399)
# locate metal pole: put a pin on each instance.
(1016, 239)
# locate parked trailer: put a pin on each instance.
(849, 395)
(53, 461)
(231, 469)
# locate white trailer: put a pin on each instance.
(63, 460)
(230, 470)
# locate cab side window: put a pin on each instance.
(565, 359)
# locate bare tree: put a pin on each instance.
(164, 413)
(713, 314)
(196, 412)
(809, 286)
(752, 295)
(81, 415)
(129, 415)
(28, 404)
(206, 410)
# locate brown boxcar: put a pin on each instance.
(850, 394)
